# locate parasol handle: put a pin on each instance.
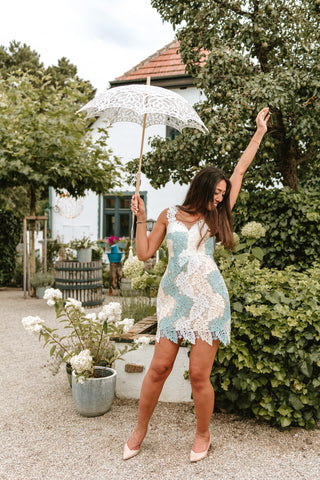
(138, 181)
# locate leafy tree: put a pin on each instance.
(245, 55)
(43, 142)
(20, 57)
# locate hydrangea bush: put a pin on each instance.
(87, 338)
(271, 369)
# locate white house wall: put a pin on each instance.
(125, 142)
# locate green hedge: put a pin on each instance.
(271, 369)
(292, 220)
(10, 234)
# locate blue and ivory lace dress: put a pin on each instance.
(193, 300)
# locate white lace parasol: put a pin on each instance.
(130, 103)
(146, 105)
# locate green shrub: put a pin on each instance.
(138, 308)
(271, 369)
(53, 248)
(292, 220)
(42, 279)
(10, 234)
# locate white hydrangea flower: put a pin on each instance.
(71, 302)
(112, 312)
(133, 268)
(32, 324)
(142, 341)
(253, 230)
(52, 295)
(140, 283)
(126, 323)
(92, 317)
(82, 362)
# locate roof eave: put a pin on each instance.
(167, 81)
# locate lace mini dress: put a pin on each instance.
(193, 300)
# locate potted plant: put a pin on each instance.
(41, 281)
(115, 256)
(83, 246)
(86, 343)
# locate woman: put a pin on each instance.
(193, 302)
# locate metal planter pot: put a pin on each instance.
(84, 254)
(94, 397)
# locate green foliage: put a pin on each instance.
(245, 55)
(106, 278)
(83, 242)
(10, 235)
(44, 143)
(42, 279)
(271, 369)
(97, 253)
(292, 221)
(53, 248)
(138, 308)
(18, 56)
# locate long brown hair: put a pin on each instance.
(200, 195)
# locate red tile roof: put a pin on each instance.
(163, 63)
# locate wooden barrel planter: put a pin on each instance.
(81, 281)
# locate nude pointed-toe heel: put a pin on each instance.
(127, 453)
(196, 456)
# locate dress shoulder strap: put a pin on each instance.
(171, 214)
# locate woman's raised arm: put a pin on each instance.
(248, 155)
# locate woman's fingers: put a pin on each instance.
(137, 204)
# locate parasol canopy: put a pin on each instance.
(145, 105)
(130, 103)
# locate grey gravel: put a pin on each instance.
(43, 436)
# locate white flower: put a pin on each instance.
(140, 283)
(112, 312)
(126, 323)
(82, 362)
(32, 324)
(140, 341)
(71, 302)
(52, 295)
(92, 317)
(253, 230)
(133, 268)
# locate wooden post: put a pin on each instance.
(115, 275)
(25, 257)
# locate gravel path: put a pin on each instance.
(43, 436)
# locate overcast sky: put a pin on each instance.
(103, 38)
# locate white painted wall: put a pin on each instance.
(176, 388)
(125, 142)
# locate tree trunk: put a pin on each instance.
(288, 168)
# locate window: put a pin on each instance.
(117, 217)
(172, 133)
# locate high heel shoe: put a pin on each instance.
(196, 456)
(127, 453)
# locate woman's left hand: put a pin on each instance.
(262, 119)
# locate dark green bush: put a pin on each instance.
(292, 220)
(53, 248)
(271, 369)
(10, 235)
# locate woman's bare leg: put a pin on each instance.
(165, 353)
(202, 356)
